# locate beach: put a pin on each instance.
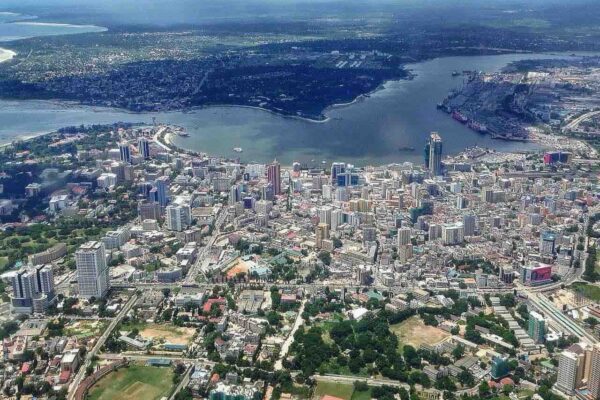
(6, 55)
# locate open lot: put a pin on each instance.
(85, 328)
(415, 333)
(167, 333)
(136, 382)
(589, 290)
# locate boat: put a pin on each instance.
(459, 117)
(476, 126)
(455, 73)
(183, 134)
(238, 149)
(406, 148)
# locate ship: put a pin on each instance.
(476, 126)
(455, 73)
(406, 148)
(459, 117)
(238, 149)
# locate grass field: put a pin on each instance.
(590, 291)
(366, 395)
(136, 382)
(341, 390)
(415, 333)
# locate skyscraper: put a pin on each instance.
(33, 289)
(274, 176)
(125, 152)
(144, 148)
(434, 155)
(178, 217)
(594, 373)
(92, 270)
(537, 327)
(469, 222)
(566, 380)
(322, 233)
(337, 168)
(404, 236)
(162, 190)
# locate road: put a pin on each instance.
(575, 123)
(368, 381)
(288, 342)
(183, 383)
(88, 358)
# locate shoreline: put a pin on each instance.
(6, 54)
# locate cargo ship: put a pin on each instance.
(476, 126)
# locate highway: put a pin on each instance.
(575, 123)
(88, 358)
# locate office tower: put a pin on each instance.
(322, 233)
(337, 168)
(337, 218)
(162, 190)
(487, 195)
(144, 148)
(594, 372)
(547, 243)
(404, 236)
(267, 192)
(33, 290)
(469, 223)
(435, 231)
(435, 154)
(92, 270)
(325, 215)
(274, 176)
(178, 217)
(234, 195)
(453, 234)
(149, 210)
(537, 327)
(369, 234)
(125, 152)
(500, 367)
(341, 194)
(566, 379)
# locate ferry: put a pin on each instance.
(238, 149)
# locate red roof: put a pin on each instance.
(25, 368)
(64, 376)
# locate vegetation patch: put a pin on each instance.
(136, 382)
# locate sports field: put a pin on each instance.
(415, 333)
(136, 382)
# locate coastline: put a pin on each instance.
(6, 54)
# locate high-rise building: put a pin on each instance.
(566, 380)
(434, 159)
(162, 190)
(469, 223)
(178, 217)
(453, 234)
(337, 168)
(499, 367)
(322, 233)
(404, 235)
(274, 176)
(594, 372)
(547, 242)
(144, 148)
(92, 270)
(234, 195)
(33, 290)
(537, 327)
(125, 152)
(325, 215)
